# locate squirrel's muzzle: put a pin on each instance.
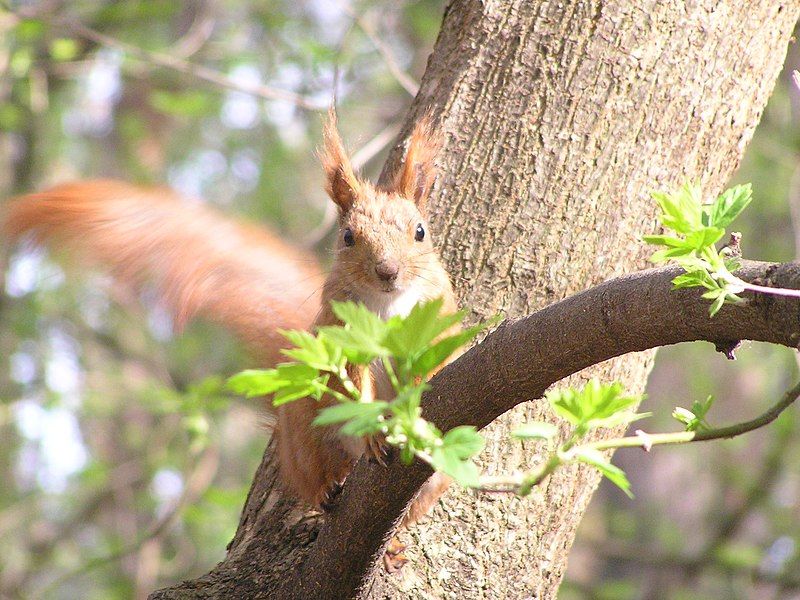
(387, 270)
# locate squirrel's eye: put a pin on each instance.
(419, 234)
(349, 240)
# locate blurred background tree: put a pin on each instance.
(125, 465)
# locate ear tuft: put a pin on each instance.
(415, 178)
(341, 183)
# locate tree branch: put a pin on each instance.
(515, 363)
(518, 362)
(174, 62)
(645, 440)
(522, 484)
(404, 79)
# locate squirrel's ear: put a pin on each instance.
(341, 183)
(415, 178)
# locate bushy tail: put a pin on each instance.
(236, 274)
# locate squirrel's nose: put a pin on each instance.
(387, 270)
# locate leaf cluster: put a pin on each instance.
(408, 348)
(592, 407)
(694, 419)
(696, 228)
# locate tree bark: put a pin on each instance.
(559, 117)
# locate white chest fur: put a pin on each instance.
(387, 306)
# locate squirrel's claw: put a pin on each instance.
(378, 451)
(330, 496)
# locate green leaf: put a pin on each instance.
(349, 410)
(687, 417)
(362, 337)
(693, 279)
(29, 30)
(11, 117)
(730, 204)
(435, 355)
(716, 305)
(256, 382)
(566, 405)
(406, 455)
(605, 401)
(362, 426)
(359, 318)
(615, 475)
(63, 49)
(407, 402)
(312, 350)
(681, 209)
(701, 407)
(666, 254)
(595, 405)
(21, 61)
(689, 200)
(738, 556)
(296, 391)
(537, 430)
(416, 332)
(463, 441)
(624, 417)
(359, 348)
(465, 472)
(732, 263)
(694, 419)
(663, 240)
(702, 238)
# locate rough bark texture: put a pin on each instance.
(559, 117)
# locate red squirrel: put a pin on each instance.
(254, 284)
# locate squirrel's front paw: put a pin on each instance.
(377, 450)
(393, 557)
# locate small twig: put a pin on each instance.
(522, 484)
(682, 437)
(758, 490)
(371, 149)
(403, 78)
(183, 66)
(763, 289)
(198, 33)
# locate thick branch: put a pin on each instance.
(517, 363)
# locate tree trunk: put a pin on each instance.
(559, 118)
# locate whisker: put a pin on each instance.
(419, 275)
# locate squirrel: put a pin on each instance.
(252, 283)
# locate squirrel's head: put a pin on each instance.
(383, 244)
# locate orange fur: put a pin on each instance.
(415, 178)
(383, 223)
(254, 284)
(202, 263)
(340, 181)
